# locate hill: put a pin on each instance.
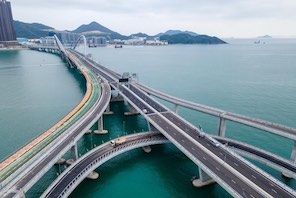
(30, 30)
(189, 39)
(37, 30)
(93, 26)
(141, 35)
(174, 32)
(264, 37)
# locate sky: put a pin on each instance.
(222, 18)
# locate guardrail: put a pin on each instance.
(18, 159)
(145, 141)
(277, 129)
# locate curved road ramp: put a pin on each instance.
(77, 172)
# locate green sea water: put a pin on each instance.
(254, 80)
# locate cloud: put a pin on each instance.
(155, 15)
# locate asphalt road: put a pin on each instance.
(97, 155)
(232, 180)
(105, 97)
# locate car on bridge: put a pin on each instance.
(117, 141)
(145, 110)
(214, 142)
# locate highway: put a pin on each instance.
(74, 133)
(256, 123)
(232, 172)
(257, 153)
(167, 119)
(97, 157)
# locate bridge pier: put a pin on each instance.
(108, 110)
(204, 179)
(132, 111)
(176, 108)
(100, 130)
(93, 175)
(150, 127)
(74, 152)
(147, 149)
(292, 159)
(222, 127)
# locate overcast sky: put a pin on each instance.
(223, 18)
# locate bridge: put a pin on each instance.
(215, 160)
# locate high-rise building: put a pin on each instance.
(7, 32)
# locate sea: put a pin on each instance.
(257, 80)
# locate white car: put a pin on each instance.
(145, 110)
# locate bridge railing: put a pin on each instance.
(277, 129)
(16, 160)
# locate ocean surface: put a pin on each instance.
(256, 80)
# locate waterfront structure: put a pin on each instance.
(215, 160)
(66, 38)
(96, 41)
(96, 38)
(48, 41)
(7, 32)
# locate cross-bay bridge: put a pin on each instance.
(215, 160)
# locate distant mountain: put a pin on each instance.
(93, 26)
(30, 30)
(173, 32)
(140, 34)
(37, 30)
(264, 37)
(184, 38)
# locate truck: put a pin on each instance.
(117, 141)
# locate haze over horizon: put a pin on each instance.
(230, 18)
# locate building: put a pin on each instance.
(66, 38)
(48, 41)
(96, 41)
(96, 38)
(7, 32)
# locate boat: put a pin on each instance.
(118, 46)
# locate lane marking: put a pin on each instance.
(217, 169)
(233, 181)
(193, 148)
(235, 164)
(254, 177)
(273, 190)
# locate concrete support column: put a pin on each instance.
(293, 154)
(176, 108)
(100, 127)
(132, 111)
(100, 124)
(151, 127)
(222, 127)
(108, 110)
(293, 160)
(74, 152)
(204, 179)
